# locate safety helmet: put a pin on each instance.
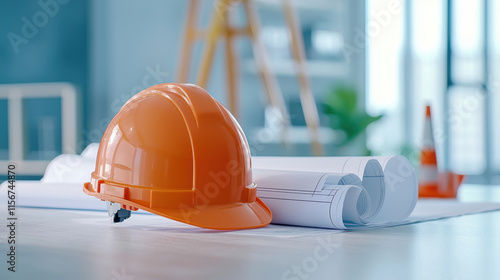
(175, 151)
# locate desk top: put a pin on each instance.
(52, 244)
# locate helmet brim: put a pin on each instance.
(233, 216)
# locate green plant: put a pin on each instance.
(341, 107)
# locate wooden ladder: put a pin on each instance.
(221, 26)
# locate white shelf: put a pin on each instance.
(295, 135)
(320, 68)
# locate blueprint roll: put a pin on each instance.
(389, 189)
(401, 192)
(313, 199)
(68, 168)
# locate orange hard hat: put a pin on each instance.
(174, 151)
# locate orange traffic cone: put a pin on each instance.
(432, 183)
(428, 175)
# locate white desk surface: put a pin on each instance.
(52, 245)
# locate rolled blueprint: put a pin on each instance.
(314, 199)
(388, 190)
(68, 168)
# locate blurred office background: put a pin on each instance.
(384, 60)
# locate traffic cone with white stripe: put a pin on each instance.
(431, 182)
(428, 175)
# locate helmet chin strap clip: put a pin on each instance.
(116, 212)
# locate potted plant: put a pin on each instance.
(348, 120)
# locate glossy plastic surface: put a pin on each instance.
(175, 151)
